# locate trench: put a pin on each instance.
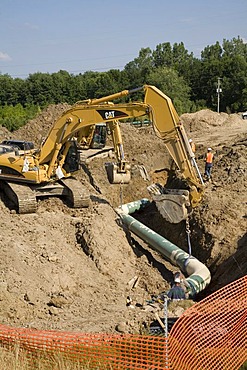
(198, 274)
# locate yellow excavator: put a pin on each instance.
(48, 170)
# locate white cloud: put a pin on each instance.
(4, 56)
(31, 26)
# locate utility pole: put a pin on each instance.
(218, 90)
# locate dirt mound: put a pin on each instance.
(4, 133)
(75, 269)
(37, 129)
(205, 119)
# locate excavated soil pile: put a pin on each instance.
(79, 269)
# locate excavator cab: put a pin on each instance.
(72, 159)
(99, 136)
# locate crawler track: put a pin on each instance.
(77, 195)
(22, 196)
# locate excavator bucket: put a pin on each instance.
(115, 176)
(172, 204)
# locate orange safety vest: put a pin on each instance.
(209, 158)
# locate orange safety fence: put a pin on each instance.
(96, 351)
(212, 334)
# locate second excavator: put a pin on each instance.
(48, 170)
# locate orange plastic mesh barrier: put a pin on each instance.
(96, 351)
(212, 334)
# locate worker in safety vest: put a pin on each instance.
(193, 146)
(208, 163)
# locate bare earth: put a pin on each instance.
(68, 269)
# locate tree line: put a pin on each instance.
(190, 82)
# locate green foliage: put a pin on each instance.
(13, 117)
(228, 62)
(100, 84)
(138, 70)
(10, 90)
(176, 57)
(163, 56)
(168, 81)
(190, 82)
(244, 366)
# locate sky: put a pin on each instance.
(98, 35)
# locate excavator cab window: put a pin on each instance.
(99, 136)
(20, 144)
(72, 160)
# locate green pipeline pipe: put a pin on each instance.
(198, 274)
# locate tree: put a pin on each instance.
(40, 89)
(234, 81)
(8, 93)
(163, 55)
(168, 81)
(105, 84)
(62, 87)
(183, 61)
(211, 69)
(228, 62)
(191, 82)
(138, 70)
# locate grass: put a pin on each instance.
(19, 360)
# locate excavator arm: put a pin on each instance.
(168, 127)
(174, 204)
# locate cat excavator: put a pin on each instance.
(48, 170)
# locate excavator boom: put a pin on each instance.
(173, 204)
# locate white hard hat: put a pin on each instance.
(209, 148)
(190, 140)
(177, 280)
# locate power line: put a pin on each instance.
(68, 61)
(74, 71)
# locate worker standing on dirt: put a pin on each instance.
(176, 292)
(193, 146)
(208, 163)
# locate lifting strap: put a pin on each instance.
(188, 232)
